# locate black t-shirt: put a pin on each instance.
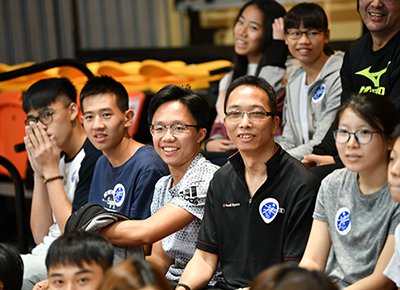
(365, 70)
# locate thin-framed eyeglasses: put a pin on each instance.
(362, 136)
(235, 116)
(159, 130)
(297, 33)
(45, 117)
(382, 1)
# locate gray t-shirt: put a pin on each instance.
(392, 270)
(190, 194)
(358, 225)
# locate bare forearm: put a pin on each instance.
(159, 257)
(169, 219)
(129, 233)
(61, 206)
(199, 270)
(310, 265)
(41, 214)
(374, 281)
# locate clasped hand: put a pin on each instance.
(43, 151)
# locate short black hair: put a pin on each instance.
(44, 92)
(11, 268)
(257, 82)
(310, 15)
(196, 103)
(106, 85)
(76, 247)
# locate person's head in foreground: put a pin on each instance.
(290, 277)
(250, 115)
(394, 166)
(78, 259)
(134, 275)
(11, 269)
(365, 123)
(178, 118)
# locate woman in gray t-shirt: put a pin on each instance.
(352, 237)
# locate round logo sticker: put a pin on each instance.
(342, 221)
(319, 94)
(269, 209)
(119, 194)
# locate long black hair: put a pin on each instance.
(271, 10)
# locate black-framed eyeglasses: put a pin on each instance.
(383, 1)
(362, 136)
(253, 115)
(159, 130)
(45, 117)
(297, 34)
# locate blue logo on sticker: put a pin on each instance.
(343, 221)
(269, 208)
(119, 194)
(73, 176)
(319, 93)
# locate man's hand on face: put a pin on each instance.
(43, 152)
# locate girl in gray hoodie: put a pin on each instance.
(313, 90)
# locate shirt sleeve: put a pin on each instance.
(192, 195)
(299, 224)
(345, 76)
(319, 211)
(85, 178)
(143, 194)
(395, 221)
(327, 146)
(323, 121)
(207, 239)
(393, 268)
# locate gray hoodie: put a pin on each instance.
(322, 103)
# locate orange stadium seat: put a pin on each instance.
(12, 130)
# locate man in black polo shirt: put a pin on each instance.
(259, 206)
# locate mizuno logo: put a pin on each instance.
(373, 76)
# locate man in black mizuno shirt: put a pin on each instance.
(371, 64)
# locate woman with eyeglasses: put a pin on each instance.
(259, 51)
(178, 119)
(352, 236)
(313, 90)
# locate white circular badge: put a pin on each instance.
(119, 194)
(342, 221)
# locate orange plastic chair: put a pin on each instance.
(12, 131)
(136, 103)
